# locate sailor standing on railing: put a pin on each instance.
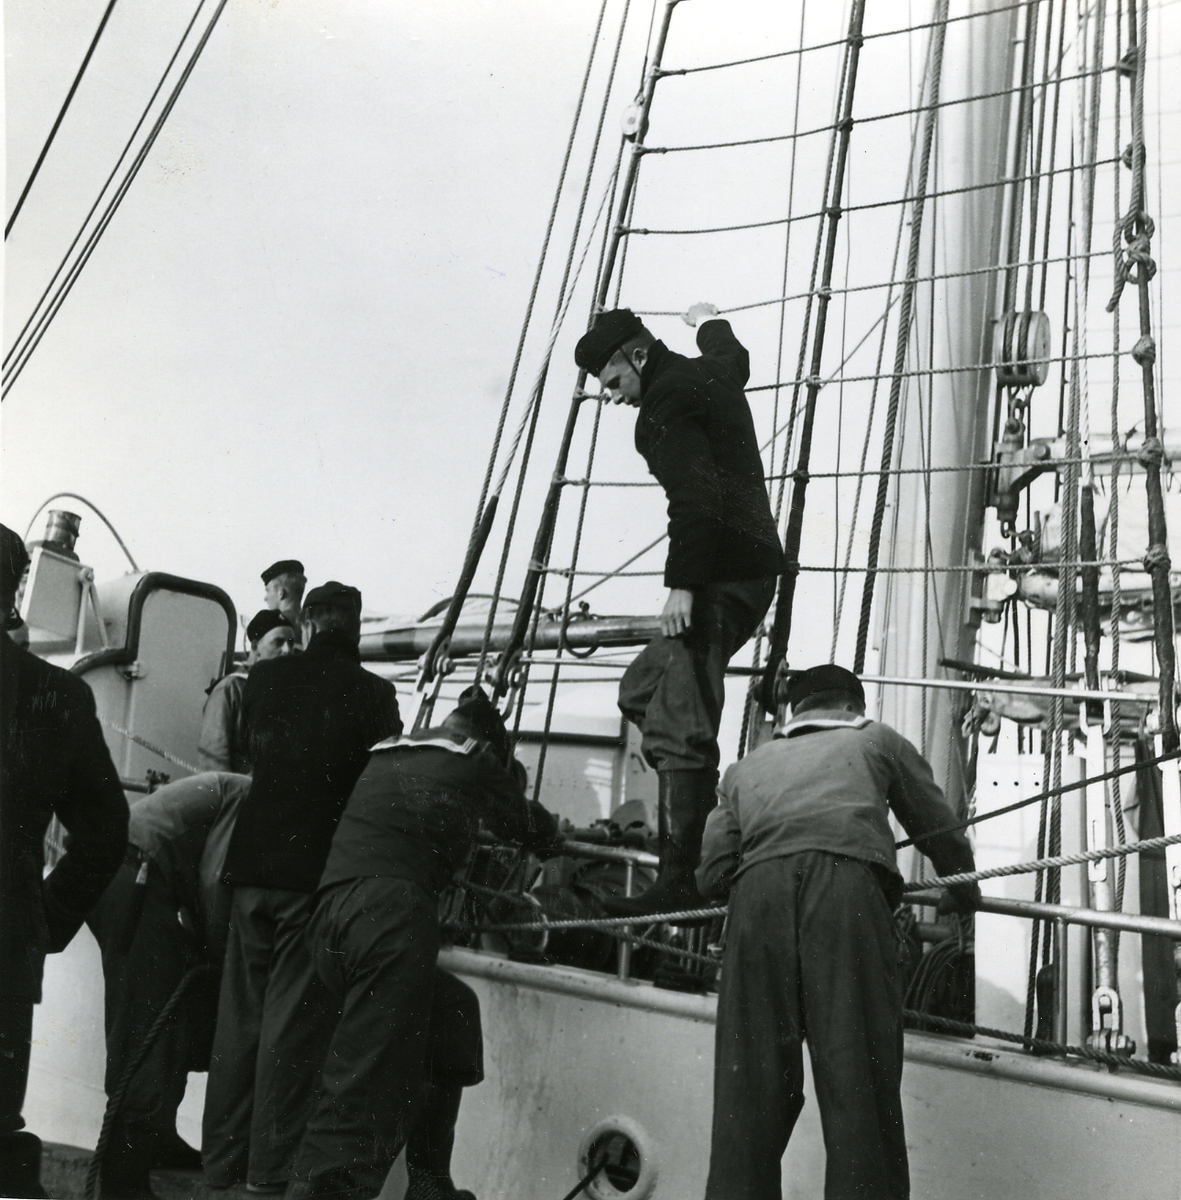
(802, 842)
(407, 1036)
(165, 914)
(53, 760)
(697, 436)
(222, 744)
(311, 719)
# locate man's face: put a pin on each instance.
(620, 380)
(277, 643)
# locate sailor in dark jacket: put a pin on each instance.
(409, 824)
(310, 719)
(165, 914)
(697, 436)
(53, 760)
(801, 841)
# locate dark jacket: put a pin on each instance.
(54, 761)
(697, 435)
(416, 809)
(310, 720)
(829, 783)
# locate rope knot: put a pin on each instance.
(1157, 556)
(1151, 454)
(800, 475)
(1144, 351)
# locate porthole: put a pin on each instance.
(629, 1168)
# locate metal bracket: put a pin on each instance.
(1017, 467)
(1107, 1020)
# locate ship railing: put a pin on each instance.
(1062, 915)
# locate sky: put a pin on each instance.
(296, 335)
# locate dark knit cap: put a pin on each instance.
(14, 560)
(334, 595)
(263, 622)
(486, 724)
(826, 678)
(609, 332)
(285, 566)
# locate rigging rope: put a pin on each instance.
(107, 182)
(13, 373)
(93, 508)
(20, 203)
(545, 241)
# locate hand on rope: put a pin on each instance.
(698, 314)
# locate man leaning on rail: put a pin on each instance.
(801, 840)
(697, 436)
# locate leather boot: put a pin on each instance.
(686, 799)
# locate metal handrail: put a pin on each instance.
(1128, 922)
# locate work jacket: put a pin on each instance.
(222, 744)
(829, 782)
(183, 829)
(697, 436)
(417, 807)
(310, 720)
(53, 760)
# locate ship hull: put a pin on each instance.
(568, 1050)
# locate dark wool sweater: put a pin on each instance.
(697, 435)
(310, 720)
(417, 807)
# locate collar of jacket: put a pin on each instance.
(334, 643)
(470, 746)
(822, 718)
(658, 352)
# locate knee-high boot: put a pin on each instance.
(428, 1150)
(686, 798)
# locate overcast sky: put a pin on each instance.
(295, 336)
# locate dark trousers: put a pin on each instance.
(146, 952)
(401, 1024)
(810, 955)
(674, 690)
(269, 1043)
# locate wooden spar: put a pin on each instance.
(781, 627)
(549, 513)
(467, 637)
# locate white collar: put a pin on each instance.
(822, 718)
(407, 743)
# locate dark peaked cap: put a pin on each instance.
(825, 678)
(285, 566)
(609, 332)
(334, 595)
(14, 559)
(263, 622)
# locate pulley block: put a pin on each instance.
(1024, 358)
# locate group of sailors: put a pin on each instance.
(283, 903)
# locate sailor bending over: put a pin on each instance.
(697, 436)
(165, 913)
(407, 1037)
(802, 842)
